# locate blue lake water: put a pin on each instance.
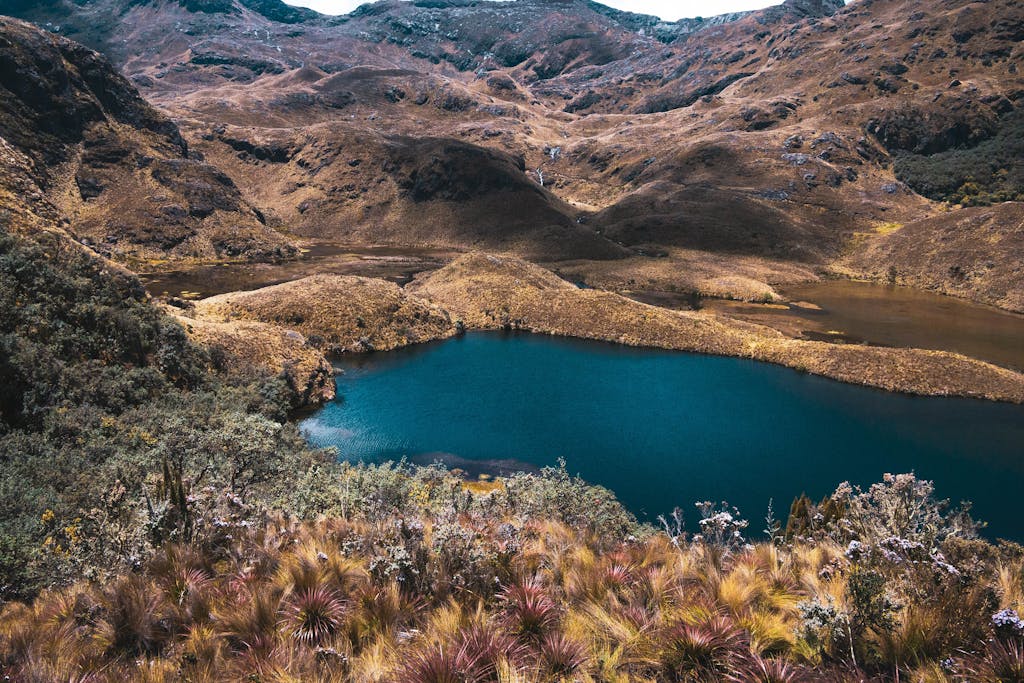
(664, 428)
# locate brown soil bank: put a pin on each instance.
(489, 292)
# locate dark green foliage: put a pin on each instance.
(989, 172)
(177, 522)
(116, 434)
(209, 6)
(804, 515)
(871, 610)
(65, 319)
(276, 10)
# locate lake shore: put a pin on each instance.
(689, 426)
(486, 291)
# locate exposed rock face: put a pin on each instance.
(113, 163)
(813, 8)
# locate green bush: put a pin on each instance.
(103, 395)
(987, 173)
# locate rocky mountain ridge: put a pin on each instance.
(797, 133)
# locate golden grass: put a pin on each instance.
(270, 327)
(347, 313)
(483, 486)
(485, 291)
(245, 345)
(973, 253)
(630, 609)
(887, 228)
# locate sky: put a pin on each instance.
(670, 10)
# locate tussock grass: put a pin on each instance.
(303, 602)
(485, 291)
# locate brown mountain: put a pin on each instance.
(563, 129)
(117, 169)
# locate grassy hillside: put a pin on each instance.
(107, 407)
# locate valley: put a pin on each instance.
(426, 343)
(669, 162)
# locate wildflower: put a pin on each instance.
(1008, 621)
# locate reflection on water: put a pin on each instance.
(664, 428)
(846, 311)
(474, 469)
(397, 264)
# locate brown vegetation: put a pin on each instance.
(336, 313)
(486, 291)
(252, 346)
(885, 584)
(563, 131)
(489, 292)
(106, 159)
(674, 271)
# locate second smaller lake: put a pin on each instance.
(865, 312)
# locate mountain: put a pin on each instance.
(790, 133)
(576, 171)
(117, 170)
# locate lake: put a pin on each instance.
(396, 264)
(663, 428)
(851, 311)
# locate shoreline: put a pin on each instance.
(477, 291)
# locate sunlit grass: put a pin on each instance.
(318, 601)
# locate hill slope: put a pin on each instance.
(111, 163)
(784, 133)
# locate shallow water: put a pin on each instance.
(664, 428)
(843, 310)
(397, 264)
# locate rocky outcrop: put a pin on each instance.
(57, 94)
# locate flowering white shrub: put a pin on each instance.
(720, 525)
(1008, 623)
(901, 507)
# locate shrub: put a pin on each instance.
(986, 173)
